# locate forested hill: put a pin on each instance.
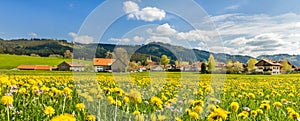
(49, 47)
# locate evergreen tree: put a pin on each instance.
(286, 67)
(211, 63)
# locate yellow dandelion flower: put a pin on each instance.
(136, 112)
(260, 111)
(126, 99)
(91, 118)
(253, 113)
(6, 100)
(264, 106)
(198, 109)
(277, 104)
(234, 106)
(294, 115)
(156, 101)
(64, 117)
(111, 100)
(194, 115)
(22, 90)
(49, 111)
(243, 114)
(135, 96)
(80, 106)
(251, 95)
(178, 119)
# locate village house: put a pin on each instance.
(35, 67)
(71, 66)
(109, 65)
(268, 66)
(271, 67)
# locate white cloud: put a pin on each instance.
(259, 34)
(130, 7)
(164, 29)
(233, 7)
(32, 34)
(158, 39)
(126, 40)
(81, 39)
(146, 14)
(194, 35)
(138, 39)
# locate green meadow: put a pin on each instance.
(12, 61)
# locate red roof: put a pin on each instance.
(75, 64)
(152, 63)
(103, 61)
(34, 67)
(43, 67)
(26, 67)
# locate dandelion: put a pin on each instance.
(194, 115)
(6, 100)
(253, 113)
(294, 115)
(67, 91)
(91, 118)
(178, 119)
(277, 104)
(291, 95)
(198, 109)
(64, 117)
(49, 111)
(126, 99)
(80, 106)
(136, 112)
(264, 106)
(251, 95)
(234, 106)
(135, 96)
(260, 111)
(111, 100)
(265, 102)
(243, 115)
(156, 101)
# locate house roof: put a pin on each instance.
(75, 64)
(152, 63)
(103, 61)
(43, 67)
(267, 63)
(34, 67)
(29, 67)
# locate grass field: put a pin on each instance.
(56, 95)
(12, 61)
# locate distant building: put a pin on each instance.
(156, 68)
(109, 65)
(268, 66)
(71, 66)
(272, 67)
(220, 66)
(35, 67)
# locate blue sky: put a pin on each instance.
(247, 27)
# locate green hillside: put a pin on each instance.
(12, 61)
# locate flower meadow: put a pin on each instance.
(149, 97)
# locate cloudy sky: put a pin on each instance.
(246, 27)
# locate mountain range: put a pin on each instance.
(48, 47)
